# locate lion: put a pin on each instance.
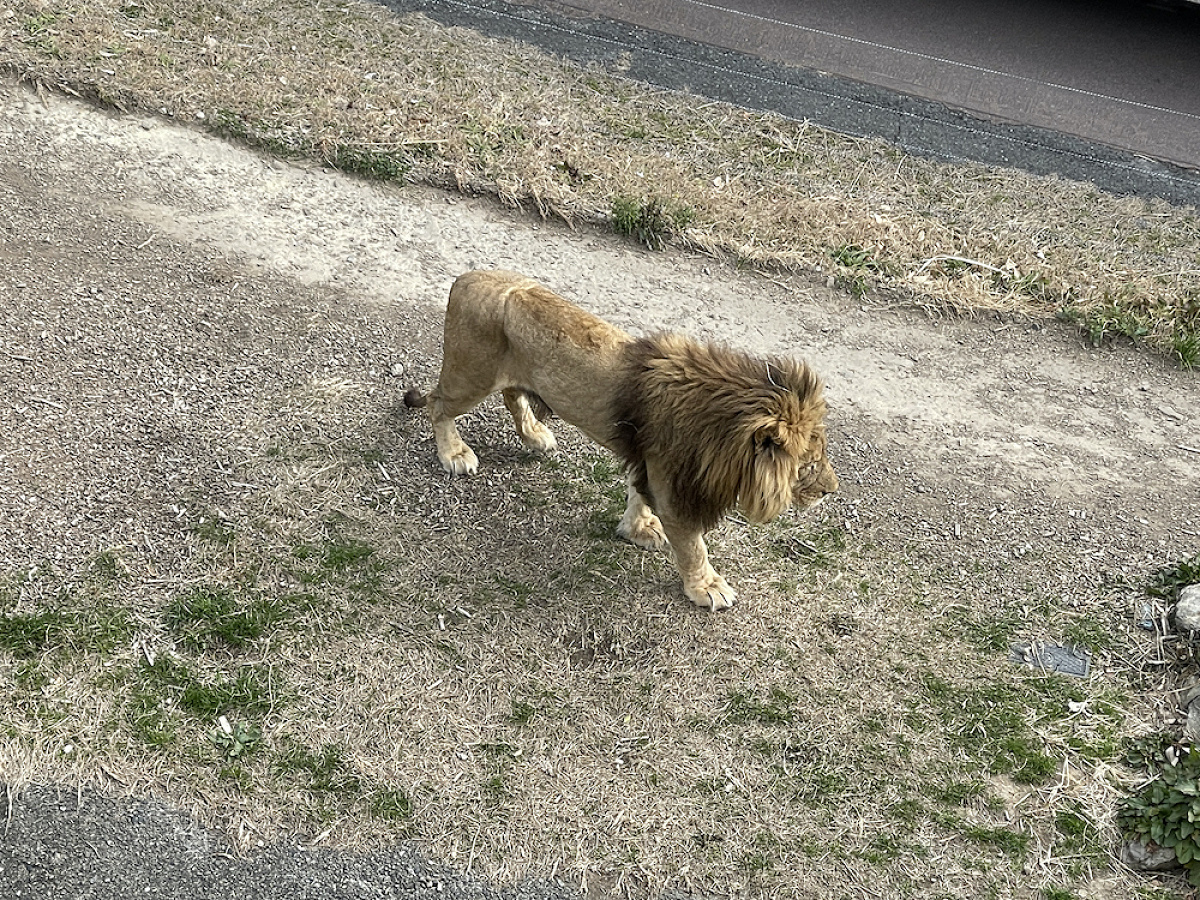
(700, 428)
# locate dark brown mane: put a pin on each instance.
(707, 406)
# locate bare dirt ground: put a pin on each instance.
(188, 327)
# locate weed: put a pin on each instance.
(651, 222)
(1167, 582)
(1167, 810)
(238, 739)
(858, 259)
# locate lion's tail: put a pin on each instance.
(414, 399)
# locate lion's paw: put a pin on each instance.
(540, 439)
(460, 462)
(711, 592)
(643, 531)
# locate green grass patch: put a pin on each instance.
(1104, 324)
(213, 616)
(366, 162)
(26, 635)
(772, 708)
(252, 689)
(651, 221)
(392, 804)
(324, 770)
(993, 722)
(337, 554)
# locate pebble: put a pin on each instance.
(1187, 610)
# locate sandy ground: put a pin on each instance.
(145, 267)
(987, 409)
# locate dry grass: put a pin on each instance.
(404, 98)
(523, 705)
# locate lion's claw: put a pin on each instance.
(540, 439)
(712, 593)
(462, 462)
(645, 531)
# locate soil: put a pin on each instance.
(164, 291)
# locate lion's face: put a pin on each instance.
(788, 465)
(815, 477)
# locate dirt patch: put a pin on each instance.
(200, 346)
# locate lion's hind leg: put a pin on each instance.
(527, 412)
(640, 525)
(453, 453)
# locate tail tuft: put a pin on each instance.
(414, 398)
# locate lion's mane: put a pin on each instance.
(734, 428)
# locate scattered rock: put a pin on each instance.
(1148, 857)
(397, 369)
(1052, 658)
(1187, 610)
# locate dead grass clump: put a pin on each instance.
(401, 98)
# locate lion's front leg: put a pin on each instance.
(640, 525)
(701, 583)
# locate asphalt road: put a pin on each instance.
(1096, 90)
(67, 845)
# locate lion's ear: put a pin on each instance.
(768, 438)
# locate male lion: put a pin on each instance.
(700, 428)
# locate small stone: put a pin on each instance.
(397, 369)
(1192, 728)
(1187, 610)
(1148, 857)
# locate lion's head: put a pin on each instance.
(734, 430)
